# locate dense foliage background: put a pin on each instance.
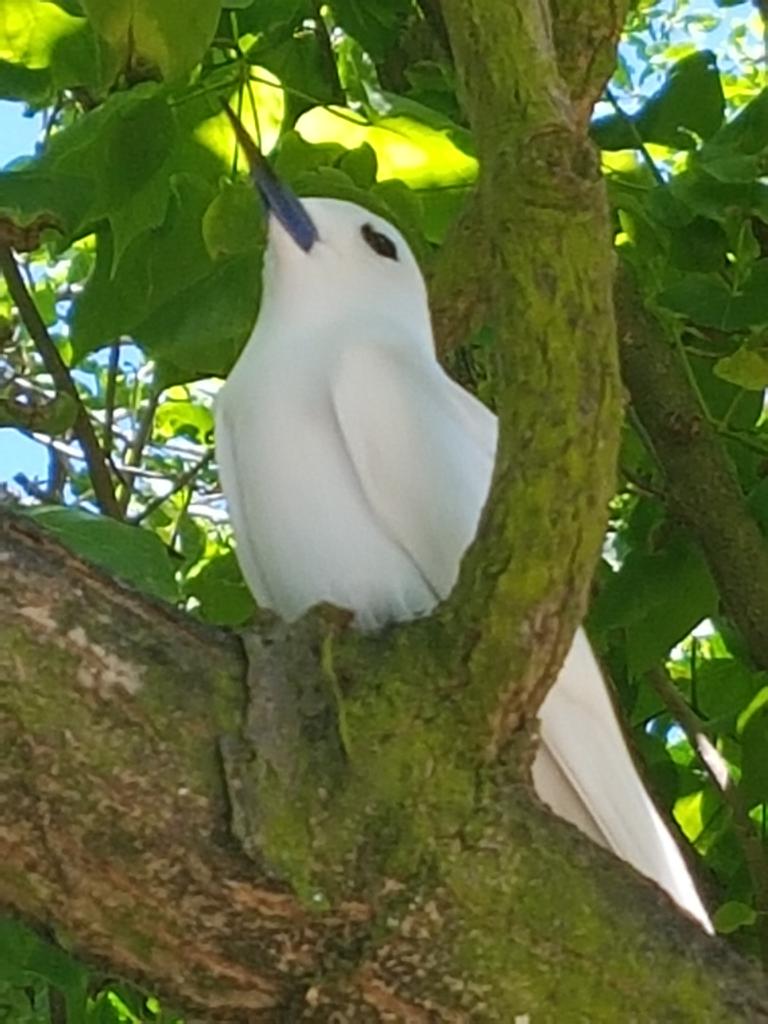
(135, 282)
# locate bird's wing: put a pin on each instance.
(584, 772)
(233, 477)
(422, 449)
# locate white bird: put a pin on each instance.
(356, 470)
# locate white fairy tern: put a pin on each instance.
(355, 471)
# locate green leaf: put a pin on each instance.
(417, 153)
(202, 329)
(300, 63)
(720, 397)
(62, 200)
(223, 597)
(376, 26)
(725, 687)
(724, 177)
(161, 33)
(155, 268)
(746, 134)
(757, 706)
(706, 299)
(134, 555)
(294, 156)
(24, 956)
(115, 162)
(754, 758)
(699, 245)
(186, 419)
(360, 165)
(746, 367)
(731, 916)
(656, 599)
(137, 170)
(44, 48)
(234, 222)
(267, 16)
(689, 104)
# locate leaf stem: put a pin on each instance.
(136, 449)
(182, 481)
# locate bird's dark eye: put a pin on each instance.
(379, 242)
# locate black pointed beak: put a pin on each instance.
(278, 198)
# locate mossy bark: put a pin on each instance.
(701, 483)
(436, 889)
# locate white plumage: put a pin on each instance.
(356, 470)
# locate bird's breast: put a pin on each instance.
(312, 536)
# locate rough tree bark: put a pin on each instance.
(114, 835)
(701, 482)
(398, 868)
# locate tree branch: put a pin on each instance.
(83, 427)
(702, 488)
(135, 450)
(182, 480)
(543, 273)
(585, 34)
(115, 832)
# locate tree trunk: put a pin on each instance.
(398, 868)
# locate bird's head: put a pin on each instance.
(333, 246)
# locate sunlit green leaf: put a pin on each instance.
(405, 148)
(186, 418)
(43, 48)
(160, 33)
(746, 367)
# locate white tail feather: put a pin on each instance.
(583, 771)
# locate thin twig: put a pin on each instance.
(57, 477)
(718, 771)
(136, 450)
(93, 453)
(641, 486)
(182, 481)
(740, 438)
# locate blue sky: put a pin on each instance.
(17, 133)
(17, 138)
